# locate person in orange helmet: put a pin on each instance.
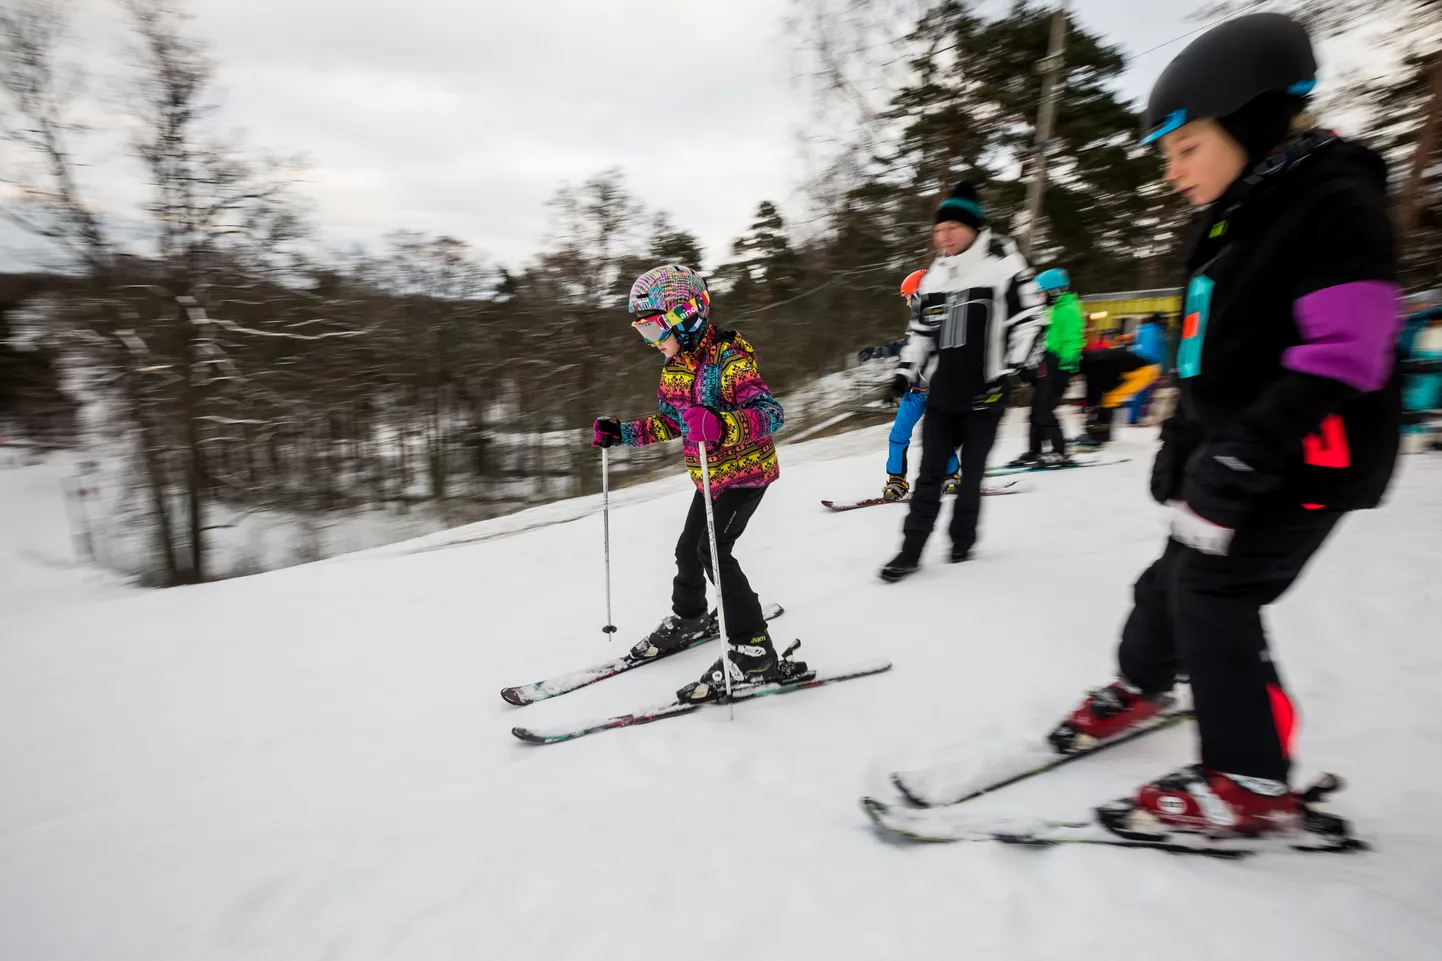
(908, 410)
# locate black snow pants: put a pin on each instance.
(1201, 614)
(1046, 393)
(732, 509)
(942, 432)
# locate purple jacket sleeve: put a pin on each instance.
(1349, 333)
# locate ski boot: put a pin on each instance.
(900, 566)
(1199, 800)
(1029, 459)
(674, 634)
(752, 660)
(1106, 713)
(959, 554)
(904, 564)
(896, 487)
(1055, 460)
(952, 484)
(1098, 430)
(1215, 808)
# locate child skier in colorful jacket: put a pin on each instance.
(711, 392)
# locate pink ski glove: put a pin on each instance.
(606, 432)
(701, 424)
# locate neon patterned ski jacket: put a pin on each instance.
(720, 374)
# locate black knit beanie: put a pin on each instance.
(961, 206)
(1261, 124)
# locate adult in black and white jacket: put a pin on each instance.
(976, 327)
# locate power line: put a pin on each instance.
(1206, 26)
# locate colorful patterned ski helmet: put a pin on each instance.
(680, 294)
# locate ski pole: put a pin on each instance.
(610, 627)
(716, 573)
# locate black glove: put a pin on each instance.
(1224, 477)
(996, 392)
(898, 388)
(865, 354)
(606, 432)
(1167, 473)
(1170, 466)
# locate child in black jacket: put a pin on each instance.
(1288, 417)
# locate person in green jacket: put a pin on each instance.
(1065, 335)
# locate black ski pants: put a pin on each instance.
(1201, 614)
(942, 432)
(1046, 393)
(732, 509)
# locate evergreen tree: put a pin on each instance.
(970, 112)
(766, 269)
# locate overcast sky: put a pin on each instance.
(463, 116)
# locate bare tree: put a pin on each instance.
(849, 56)
(45, 198)
(218, 222)
(442, 289)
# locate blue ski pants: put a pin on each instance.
(913, 405)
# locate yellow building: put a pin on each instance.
(1123, 310)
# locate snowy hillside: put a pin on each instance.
(314, 763)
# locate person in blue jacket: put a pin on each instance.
(908, 411)
(1151, 344)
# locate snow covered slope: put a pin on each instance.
(314, 763)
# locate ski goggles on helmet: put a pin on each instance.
(654, 328)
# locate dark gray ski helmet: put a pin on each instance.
(1228, 66)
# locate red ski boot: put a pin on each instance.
(1107, 712)
(1198, 799)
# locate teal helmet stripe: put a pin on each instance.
(1178, 118)
(1173, 121)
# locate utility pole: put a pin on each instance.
(1050, 70)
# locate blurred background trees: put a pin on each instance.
(202, 340)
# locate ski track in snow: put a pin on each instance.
(315, 763)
